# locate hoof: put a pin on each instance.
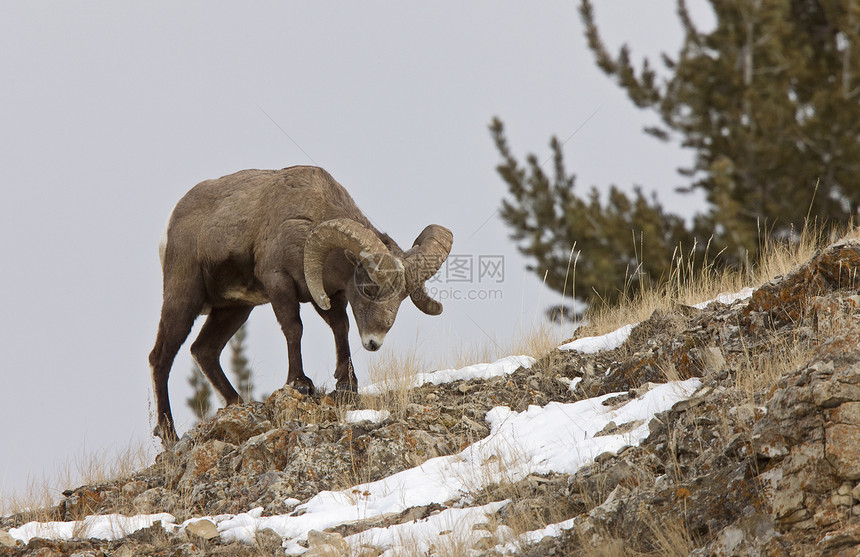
(304, 388)
(168, 437)
(346, 387)
(345, 393)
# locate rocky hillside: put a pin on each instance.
(763, 459)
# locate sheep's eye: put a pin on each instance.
(370, 290)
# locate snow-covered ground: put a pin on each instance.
(609, 341)
(558, 437)
(505, 366)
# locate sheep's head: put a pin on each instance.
(381, 280)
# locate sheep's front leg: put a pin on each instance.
(285, 303)
(338, 320)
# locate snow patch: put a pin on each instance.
(609, 341)
(535, 536)
(419, 536)
(499, 368)
(373, 416)
(103, 527)
(726, 298)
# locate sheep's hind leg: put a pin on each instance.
(217, 331)
(175, 324)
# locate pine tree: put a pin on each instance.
(769, 101)
(567, 235)
(201, 401)
(240, 366)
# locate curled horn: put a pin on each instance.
(346, 234)
(430, 250)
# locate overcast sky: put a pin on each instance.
(110, 112)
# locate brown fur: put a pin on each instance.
(237, 242)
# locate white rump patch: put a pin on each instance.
(162, 243)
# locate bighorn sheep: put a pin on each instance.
(283, 237)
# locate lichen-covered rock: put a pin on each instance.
(751, 535)
(202, 459)
(236, 424)
(287, 404)
(842, 443)
(814, 413)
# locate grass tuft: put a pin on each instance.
(689, 283)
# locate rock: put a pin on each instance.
(847, 538)
(610, 505)
(149, 499)
(842, 442)
(83, 501)
(465, 388)
(484, 543)
(133, 489)
(788, 499)
(768, 443)
(254, 456)
(747, 536)
(7, 540)
(730, 467)
(841, 500)
(743, 413)
(185, 444)
(236, 424)
(326, 544)
(125, 550)
(201, 459)
(268, 538)
(186, 550)
(803, 456)
(846, 413)
(834, 393)
(826, 516)
(287, 404)
(642, 389)
(270, 478)
(205, 529)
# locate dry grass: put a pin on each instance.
(32, 501)
(539, 340)
(689, 284)
(396, 374)
(759, 373)
(37, 500)
(605, 544)
(669, 539)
